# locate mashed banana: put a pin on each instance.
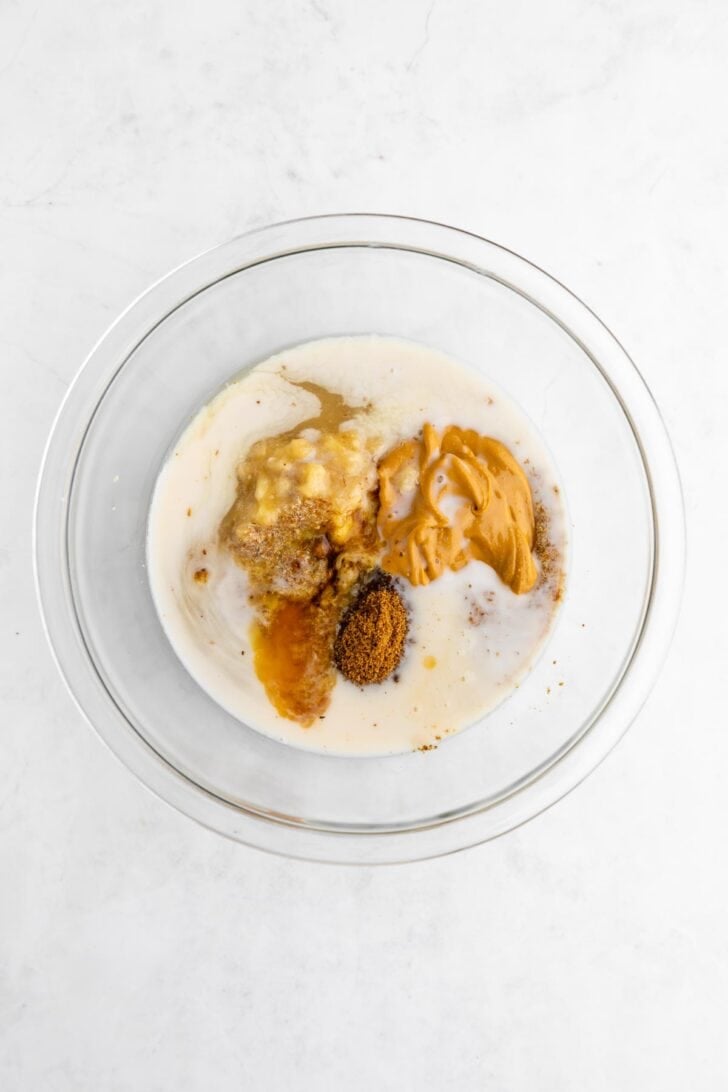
(299, 502)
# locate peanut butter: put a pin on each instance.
(450, 497)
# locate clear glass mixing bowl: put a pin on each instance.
(218, 315)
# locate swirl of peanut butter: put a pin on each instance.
(450, 497)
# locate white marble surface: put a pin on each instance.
(585, 951)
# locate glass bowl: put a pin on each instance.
(214, 317)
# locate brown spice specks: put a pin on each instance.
(477, 614)
(548, 555)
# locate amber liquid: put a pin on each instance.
(333, 411)
(292, 657)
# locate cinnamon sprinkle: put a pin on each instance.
(548, 555)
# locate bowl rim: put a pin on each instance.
(51, 555)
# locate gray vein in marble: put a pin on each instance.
(414, 60)
(21, 45)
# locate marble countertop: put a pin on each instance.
(587, 950)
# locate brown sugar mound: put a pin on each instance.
(371, 638)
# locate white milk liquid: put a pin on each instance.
(481, 637)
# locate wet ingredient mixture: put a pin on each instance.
(315, 511)
(352, 555)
